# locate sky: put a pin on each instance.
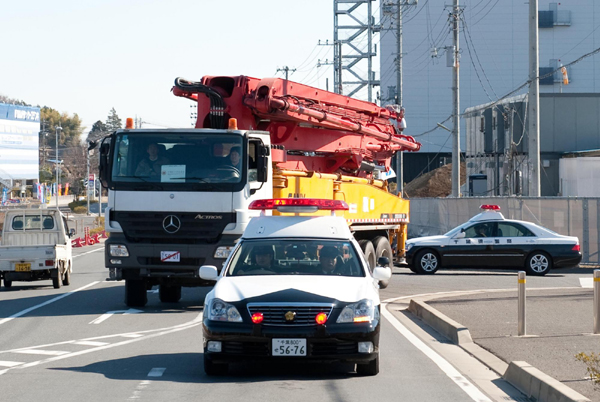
(85, 57)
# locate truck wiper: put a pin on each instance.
(200, 179)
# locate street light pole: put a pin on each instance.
(58, 129)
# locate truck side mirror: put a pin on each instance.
(262, 164)
(104, 164)
(71, 232)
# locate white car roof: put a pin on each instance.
(332, 227)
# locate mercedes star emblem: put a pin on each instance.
(171, 224)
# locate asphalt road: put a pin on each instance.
(81, 343)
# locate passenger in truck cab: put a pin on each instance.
(151, 165)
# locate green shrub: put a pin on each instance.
(592, 361)
(83, 203)
(80, 210)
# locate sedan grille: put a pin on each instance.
(297, 314)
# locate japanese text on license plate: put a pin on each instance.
(289, 347)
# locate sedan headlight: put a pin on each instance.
(222, 311)
(409, 246)
(363, 311)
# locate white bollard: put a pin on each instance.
(597, 301)
(522, 329)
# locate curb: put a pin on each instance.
(521, 375)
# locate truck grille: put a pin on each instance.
(305, 313)
(193, 228)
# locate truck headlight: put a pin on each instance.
(222, 311)
(363, 311)
(223, 252)
(118, 250)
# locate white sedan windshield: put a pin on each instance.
(295, 257)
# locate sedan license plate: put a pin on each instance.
(289, 347)
(23, 267)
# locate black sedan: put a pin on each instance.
(490, 240)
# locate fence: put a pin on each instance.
(565, 215)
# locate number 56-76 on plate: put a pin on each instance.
(289, 347)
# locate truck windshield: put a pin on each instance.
(175, 159)
(295, 257)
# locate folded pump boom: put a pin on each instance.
(320, 131)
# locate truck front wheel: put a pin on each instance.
(169, 293)
(135, 293)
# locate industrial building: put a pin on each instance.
(493, 46)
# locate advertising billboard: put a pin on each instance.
(19, 142)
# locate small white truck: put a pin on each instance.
(36, 245)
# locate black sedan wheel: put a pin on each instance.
(538, 263)
(426, 262)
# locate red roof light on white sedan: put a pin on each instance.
(490, 207)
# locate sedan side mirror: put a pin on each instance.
(383, 262)
(209, 272)
(382, 273)
(460, 235)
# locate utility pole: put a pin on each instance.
(456, 104)
(533, 129)
(400, 155)
(287, 70)
(58, 129)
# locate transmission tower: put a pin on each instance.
(349, 34)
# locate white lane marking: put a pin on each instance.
(42, 352)
(473, 392)
(587, 282)
(30, 309)
(137, 393)
(90, 343)
(157, 372)
(108, 314)
(87, 252)
(9, 364)
(131, 335)
(151, 333)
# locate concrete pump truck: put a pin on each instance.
(178, 198)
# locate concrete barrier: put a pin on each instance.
(530, 381)
(539, 386)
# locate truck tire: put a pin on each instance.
(383, 249)
(135, 293)
(369, 251)
(57, 281)
(169, 293)
(67, 276)
(7, 284)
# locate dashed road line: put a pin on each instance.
(97, 344)
(30, 309)
(42, 352)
